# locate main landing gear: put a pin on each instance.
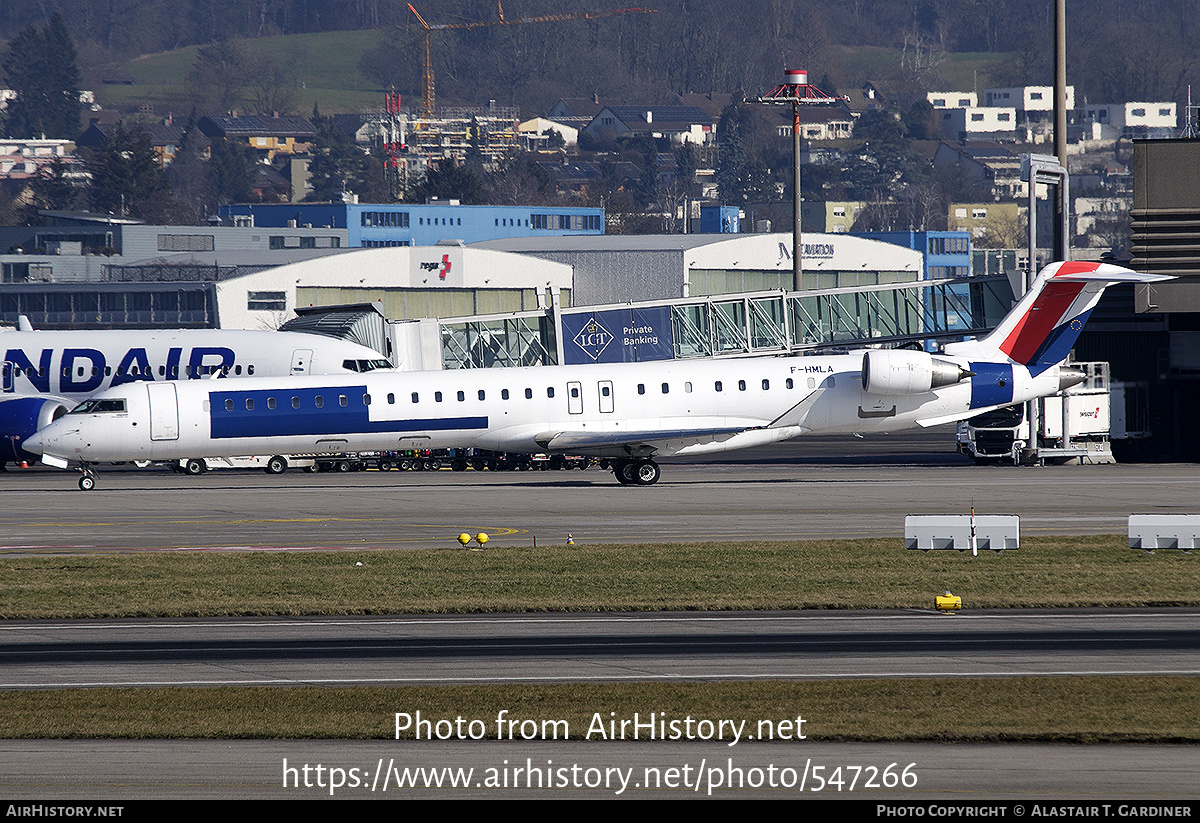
(636, 472)
(87, 478)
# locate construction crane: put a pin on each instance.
(427, 96)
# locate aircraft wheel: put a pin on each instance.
(87, 482)
(646, 473)
(194, 467)
(276, 465)
(623, 471)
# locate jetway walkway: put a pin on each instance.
(726, 325)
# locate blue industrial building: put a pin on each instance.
(375, 225)
(947, 255)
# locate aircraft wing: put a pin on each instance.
(631, 443)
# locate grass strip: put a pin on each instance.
(1096, 571)
(1047, 709)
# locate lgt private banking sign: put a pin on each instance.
(618, 336)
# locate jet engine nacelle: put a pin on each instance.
(20, 417)
(900, 371)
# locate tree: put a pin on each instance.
(125, 173)
(230, 170)
(338, 165)
(885, 163)
(742, 174)
(40, 68)
(449, 181)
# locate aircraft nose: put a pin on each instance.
(35, 443)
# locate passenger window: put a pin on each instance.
(341, 400)
(295, 402)
(228, 405)
(529, 394)
(741, 385)
(237, 369)
(162, 371)
(641, 388)
(249, 370)
(717, 385)
(462, 396)
(437, 397)
(415, 397)
(666, 389)
(789, 383)
(319, 401)
(606, 391)
(366, 399)
(249, 404)
(549, 391)
(812, 382)
(574, 392)
(391, 398)
(481, 394)
(766, 385)
(271, 403)
(687, 387)
(504, 394)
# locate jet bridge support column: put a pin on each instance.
(1042, 169)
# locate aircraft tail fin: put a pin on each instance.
(1042, 328)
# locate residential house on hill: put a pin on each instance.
(682, 124)
(987, 164)
(268, 136)
(165, 137)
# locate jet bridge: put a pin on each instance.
(729, 325)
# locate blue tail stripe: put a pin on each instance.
(1058, 344)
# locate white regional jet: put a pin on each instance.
(47, 373)
(631, 413)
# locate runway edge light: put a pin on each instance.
(947, 603)
(464, 538)
(481, 538)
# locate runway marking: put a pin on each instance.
(592, 678)
(472, 620)
(367, 544)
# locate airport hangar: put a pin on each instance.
(518, 291)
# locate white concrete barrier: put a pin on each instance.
(993, 532)
(1164, 531)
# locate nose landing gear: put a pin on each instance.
(87, 478)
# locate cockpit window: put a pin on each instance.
(100, 406)
(365, 365)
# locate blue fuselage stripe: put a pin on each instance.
(230, 417)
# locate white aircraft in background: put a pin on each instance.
(47, 373)
(631, 413)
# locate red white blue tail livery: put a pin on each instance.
(1042, 328)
